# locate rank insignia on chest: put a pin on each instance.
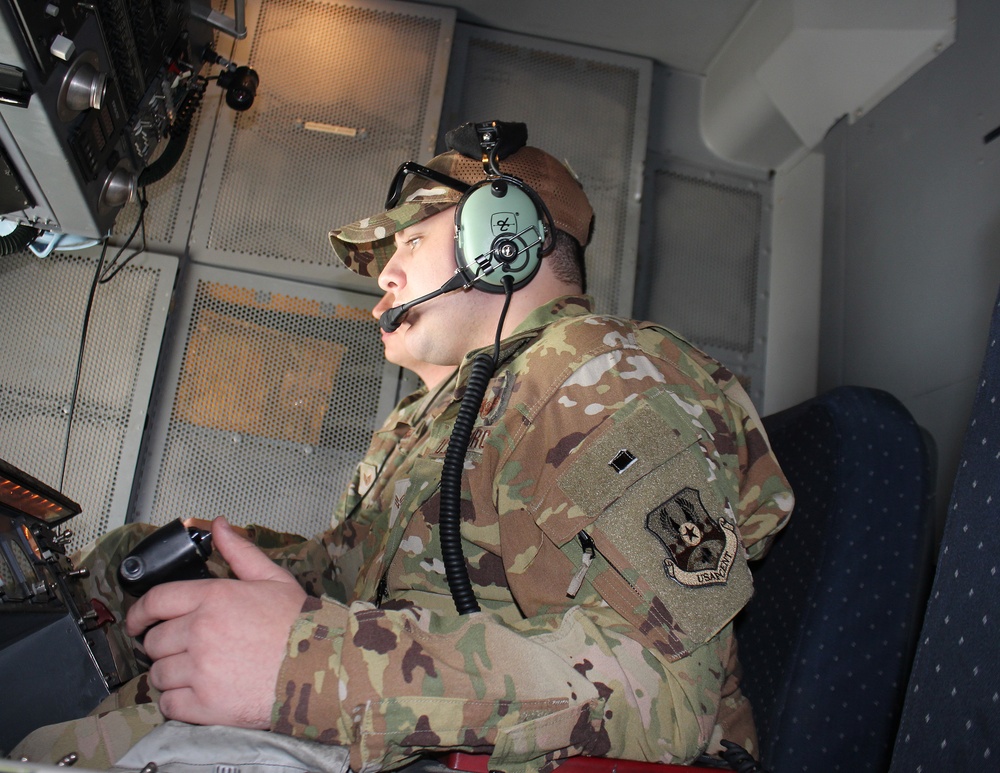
(494, 404)
(366, 477)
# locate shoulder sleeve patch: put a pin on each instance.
(664, 523)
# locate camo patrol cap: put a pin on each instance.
(366, 245)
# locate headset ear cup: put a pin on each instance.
(499, 231)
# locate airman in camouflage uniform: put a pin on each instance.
(616, 483)
(617, 643)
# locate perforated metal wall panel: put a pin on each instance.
(42, 308)
(712, 242)
(348, 91)
(588, 107)
(271, 392)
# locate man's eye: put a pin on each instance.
(414, 242)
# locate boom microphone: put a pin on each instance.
(393, 318)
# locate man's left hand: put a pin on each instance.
(219, 644)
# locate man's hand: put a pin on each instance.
(220, 644)
(201, 523)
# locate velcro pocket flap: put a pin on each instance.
(664, 522)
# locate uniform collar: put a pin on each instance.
(558, 308)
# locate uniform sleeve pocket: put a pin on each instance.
(664, 522)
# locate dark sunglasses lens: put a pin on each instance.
(396, 188)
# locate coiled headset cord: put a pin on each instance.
(450, 518)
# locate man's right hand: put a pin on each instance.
(220, 644)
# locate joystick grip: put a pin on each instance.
(172, 552)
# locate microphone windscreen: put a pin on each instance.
(391, 319)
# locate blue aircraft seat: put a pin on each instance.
(951, 718)
(827, 641)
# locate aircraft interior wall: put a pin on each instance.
(213, 358)
(911, 248)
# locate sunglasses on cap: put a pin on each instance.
(408, 168)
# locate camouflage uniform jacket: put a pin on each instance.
(616, 482)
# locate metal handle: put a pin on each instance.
(235, 26)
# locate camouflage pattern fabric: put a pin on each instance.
(616, 483)
(329, 564)
(99, 740)
(621, 431)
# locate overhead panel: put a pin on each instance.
(587, 107)
(794, 68)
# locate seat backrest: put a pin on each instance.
(951, 718)
(827, 641)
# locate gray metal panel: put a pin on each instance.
(270, 394)
(711, 239)
(35, 693)
(42, 309)
(349, 90)
(586, 106)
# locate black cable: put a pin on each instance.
(79, 363)
(179, 134)
(101, 276)
(158, 170)
(450, 517)
(114, 266)
(508, 285)
(166, 161)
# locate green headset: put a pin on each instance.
(502, 226)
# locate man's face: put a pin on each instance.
(443, 329)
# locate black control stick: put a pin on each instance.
(172, 552)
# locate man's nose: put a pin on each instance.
(391, 278)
